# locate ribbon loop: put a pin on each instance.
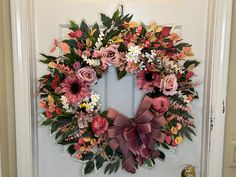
(136, 138)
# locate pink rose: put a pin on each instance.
(161, 104)
(110, 56)
(99, 125)
(87, 74)
(169, 84)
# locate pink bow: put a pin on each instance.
(136, 138)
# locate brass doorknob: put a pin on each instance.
(189, 171)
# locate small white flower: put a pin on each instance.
(91, 62)
(98, 44)
(95, 97)
(133, 54)
(65, 103)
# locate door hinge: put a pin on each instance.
(212, 120)
(223, 107)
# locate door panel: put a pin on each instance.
(123, 95)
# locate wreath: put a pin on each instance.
(163, 66)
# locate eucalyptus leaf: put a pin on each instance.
(88, 168)
(99, 161)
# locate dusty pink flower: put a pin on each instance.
(169, 84)
(131, 67)
(99, 125)
(75, 89)
(96, 53)
(87, 74)
(76, 66)
(86, 53)
(161, 104)
(148, 80)
(110, 56)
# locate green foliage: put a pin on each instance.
(186, 132)
(87, 156)
(99, 161)
(182, 45)
(192, 63)
(181, 113)
(84, 27)
(106, 21)
(71, 150)
(112, 167)
(109, 152)
(46, 122)
(73, 26)
(47, 59)
(88, 168)
(162, 156)
(120, 74)
(122, 47)
(150, 163)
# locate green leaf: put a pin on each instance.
(52, 58)
(181, 113)
(104, 114)
(112, 168)
(189, 63)
(164, 145)
(149, 163)
(84, 27)
(87, 156)
(71, 150)
(73, 26)
(54, 126)
(109, 152)
(120, 74)
(182, 45)
(127, 18)
(97, 32)
(122, 47)
(162, 155)
(88, 168)
(107, 168)
(106, 21)
(71, 42)
(117, 165)
(48, 58)
(115, 15)
(187, 135)
(190, 130)
(47, 122)
(99, 161)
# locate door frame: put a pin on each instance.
(217, 54)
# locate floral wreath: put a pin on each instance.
(163, 69)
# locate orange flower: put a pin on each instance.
(51, 108)
(65, 47)
(43, 104)
(174, 36)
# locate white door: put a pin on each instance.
(190, 15)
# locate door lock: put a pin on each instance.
(189, 171)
